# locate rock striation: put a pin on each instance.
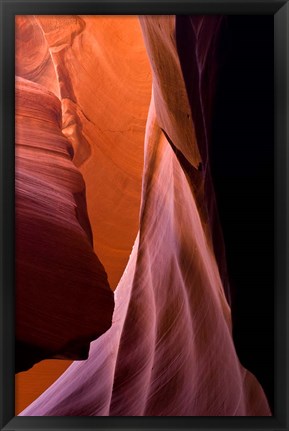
(59, 279)
(169, 350)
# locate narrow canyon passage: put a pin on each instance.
(138, 118)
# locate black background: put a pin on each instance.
(242, 162)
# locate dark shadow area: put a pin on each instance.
(242, 165)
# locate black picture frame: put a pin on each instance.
(280, 10)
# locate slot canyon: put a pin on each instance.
(133, 295)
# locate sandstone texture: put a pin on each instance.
(122, 106)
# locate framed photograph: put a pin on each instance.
(143, 231)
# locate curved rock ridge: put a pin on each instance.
(169, 350)
(184, 55)
(198, 45)
(60, 280)
(171, 99)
